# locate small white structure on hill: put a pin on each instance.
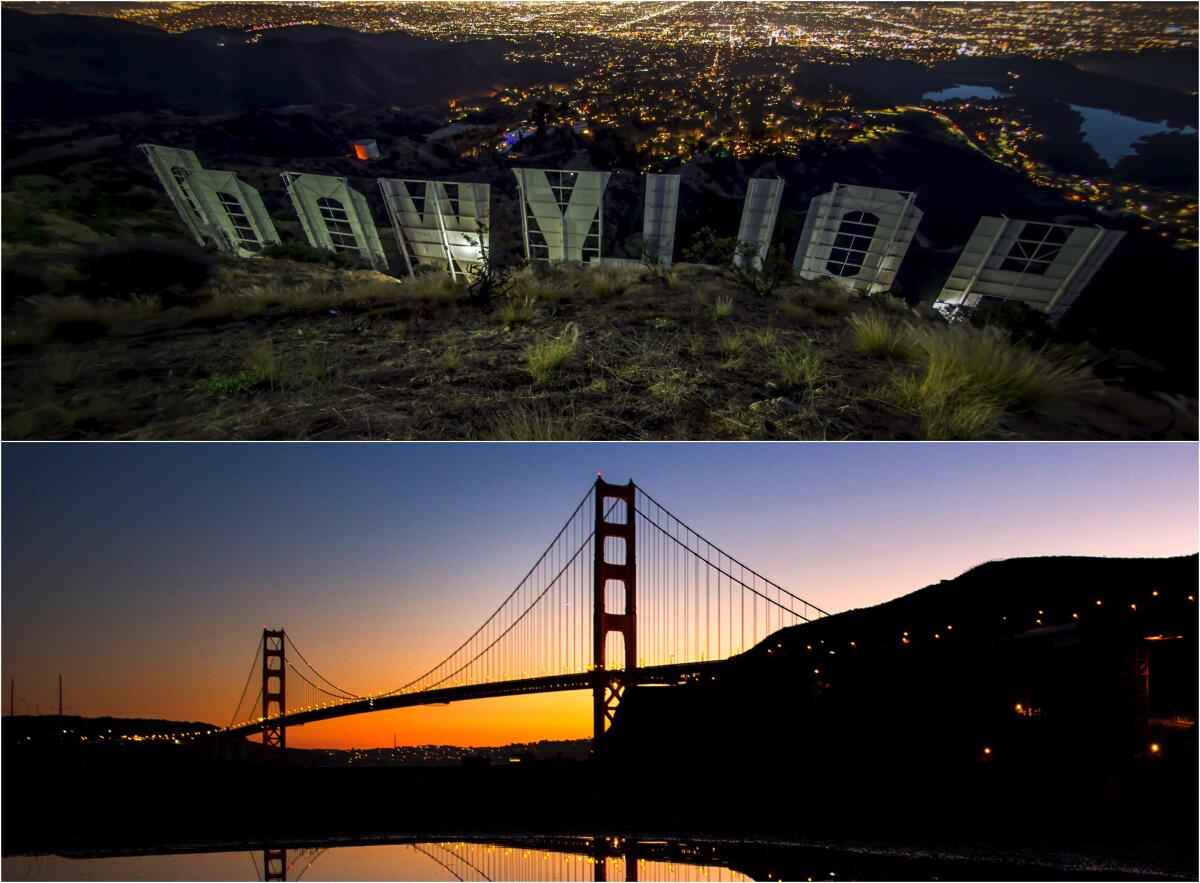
(444, 223)
(365, 149)
(335, 217)
(759, 213)
(857, 234)
(1045, 266)
(562, 213)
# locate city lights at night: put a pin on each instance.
(354, 356)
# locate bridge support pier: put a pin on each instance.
(274, 864)
(615, 572)
(274, 683)
(602, 850)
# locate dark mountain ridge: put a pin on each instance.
(968, 641)
(61, 66)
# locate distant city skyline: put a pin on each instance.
(921, 29)
(131, 568)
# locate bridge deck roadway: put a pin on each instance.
(651, 675)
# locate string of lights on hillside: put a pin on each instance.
(931, 633)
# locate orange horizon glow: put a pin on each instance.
(476, 723)
(143, 574)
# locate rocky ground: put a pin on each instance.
(276, 349)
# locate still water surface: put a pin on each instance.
(1114, 135)
(409, 861)
(964, 92)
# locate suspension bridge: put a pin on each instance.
(561, 858)
(626, 594)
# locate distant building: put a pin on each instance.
(367, 149)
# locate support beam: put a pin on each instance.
(274, 864)
(274, 705)
(615, 565)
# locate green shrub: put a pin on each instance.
(434, 288)
(831, 298)
(62, 367)
(964, 379)
(517, 311)
(723, 307)
(538, 423)
(797, 366)
(22, 226)
(991, 366)
(306, 254)
(547, 356)
(945, 403)
(874, 334)
(261, 360)
(607, 282)
(731, 345)
(229, 385)
(157, 267)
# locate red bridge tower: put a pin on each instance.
(274, 736)
(615, 603)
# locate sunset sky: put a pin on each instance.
(145, 573)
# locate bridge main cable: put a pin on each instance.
(712, 545)
(503, 603)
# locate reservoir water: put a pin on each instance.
(441, 860)
(965, 92)
(567, 857)
(1113, 135)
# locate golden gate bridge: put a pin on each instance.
(626, 594)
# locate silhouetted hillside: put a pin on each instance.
(1092, 84)
(944, 673)
(61, 66)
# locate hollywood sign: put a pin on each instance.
(856, 235)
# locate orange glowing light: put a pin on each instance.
(987, 750)
(1154, 748)
(1020, 708)
(1154, 593)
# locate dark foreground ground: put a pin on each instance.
(778, 817)
(283, 350)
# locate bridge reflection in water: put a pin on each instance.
(611, 860)
(532, 859)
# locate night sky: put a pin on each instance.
(144, 573)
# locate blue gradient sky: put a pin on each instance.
(132, 569)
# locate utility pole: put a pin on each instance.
(12, 686)
(60, 723)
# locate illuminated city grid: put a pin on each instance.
(921, 32)
(689, 77)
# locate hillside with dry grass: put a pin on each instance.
(286, 349)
